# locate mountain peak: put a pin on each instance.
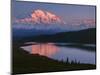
(41, 16)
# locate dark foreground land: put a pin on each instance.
(24, 63)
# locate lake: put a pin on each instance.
(61, 51)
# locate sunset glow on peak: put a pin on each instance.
(41, 16)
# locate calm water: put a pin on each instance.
(60, 52)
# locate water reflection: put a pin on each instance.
(47, 49)
(54, 51)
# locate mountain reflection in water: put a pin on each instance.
(59, 52)
(47, 49)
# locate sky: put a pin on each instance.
(75, 17)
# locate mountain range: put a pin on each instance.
(82, 36)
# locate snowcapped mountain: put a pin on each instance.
(45, 22)
(41, 16)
